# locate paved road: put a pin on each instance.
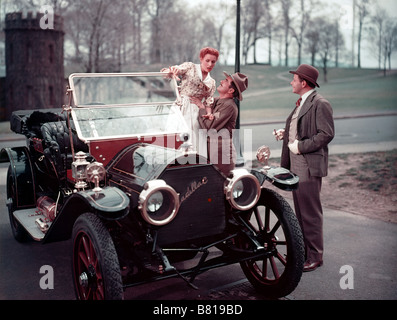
(366, 247)
(360, 134)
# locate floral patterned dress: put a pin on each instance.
(193, 85)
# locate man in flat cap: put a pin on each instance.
(308, 131)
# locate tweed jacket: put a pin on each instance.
(315, 130)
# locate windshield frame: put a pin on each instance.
(72, 86)
(173, 114)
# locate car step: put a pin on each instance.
(34, 221)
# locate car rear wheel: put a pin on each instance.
(95, 265)
(277, 230)
(18, 231)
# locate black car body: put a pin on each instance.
(114, 170)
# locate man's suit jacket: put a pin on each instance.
(315, 131)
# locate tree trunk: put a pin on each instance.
(325, 70)
(359, 45)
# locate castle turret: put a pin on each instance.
(34, 62)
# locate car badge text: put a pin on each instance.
(194, 186)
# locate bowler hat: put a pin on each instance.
(241, 82)
(308, 73)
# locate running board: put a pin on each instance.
(34, 221)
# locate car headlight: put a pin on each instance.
(242, 189)
(158, 203)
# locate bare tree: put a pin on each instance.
(258, 14)
(253, 13)
(136, 9)
(339, 42)
(74, 26)
(278, 37)
(216, 24)
(89, 27)
(303, 19)
(389, 41)
(160, 14)
(376, 32)
(313, 39)
(326, 44)
(176, 50)
(363, 12)
(247, 33)
(97, 30)
(285, 10)
(268, 27)
(115, 49)
(98, 33)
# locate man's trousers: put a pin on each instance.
(308, 208)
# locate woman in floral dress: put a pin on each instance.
(196, 82)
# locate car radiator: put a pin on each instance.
(202, 204)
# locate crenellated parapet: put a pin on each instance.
(38, 21)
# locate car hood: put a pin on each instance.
(143, 162)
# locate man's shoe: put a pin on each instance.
(311, 266)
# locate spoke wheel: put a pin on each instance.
(277, 230)
(96, 270)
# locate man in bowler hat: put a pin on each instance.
(308, 131)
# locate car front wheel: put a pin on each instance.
(95, 265)
(277, 229)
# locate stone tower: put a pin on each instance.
(34, 62)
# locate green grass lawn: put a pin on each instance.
(350, 91)
(365, 95)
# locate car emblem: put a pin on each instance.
(193, 187)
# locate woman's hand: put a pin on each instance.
(172, 71)
(197, 102)
(175, 71)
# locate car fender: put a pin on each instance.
(22, 174)
(280, 177)
(109, 203)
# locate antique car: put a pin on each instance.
(113, 169)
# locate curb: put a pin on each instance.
(343, 117)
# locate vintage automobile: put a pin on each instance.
(114, 170)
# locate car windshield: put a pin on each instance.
(99, 123)
(125, 105)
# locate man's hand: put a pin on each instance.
(294, 147)
(209, 116)
(279, 134)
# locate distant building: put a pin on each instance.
(34, 63)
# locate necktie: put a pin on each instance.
(298, 102)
